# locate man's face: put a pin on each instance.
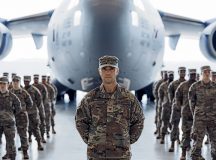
(36, 80)
(214, 78)
(26, 83)
(108, 74)
(165, 76)
(3, 87)
(171, 77)
(206, 74)
(197, 77)
(192, 76)
(43, 80)
(182, 73)
(16, 83)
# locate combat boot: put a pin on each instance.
(6, 156)
(53, 130)
(25, 154)
(171, 149)
(20, 148)
(162, 139)
(48, 136)
(40, 147)
(159, 135)
(207, 141)
(43, 140)
(178, 141)
(30, 139)
(183, 156)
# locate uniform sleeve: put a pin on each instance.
(136, 121)
(176, 108)
(83, 120)
(28, 100)
(160, 95)
(192, 98)
(16, 105)
(155, 89)
(171, 92)
(39, 104)
(44, 94)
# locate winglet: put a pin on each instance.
(38, 40)
(173, 41)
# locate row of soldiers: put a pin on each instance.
(193, 100)
(30, 109)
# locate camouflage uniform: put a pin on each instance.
(183, 109)
(155, 91)
(174, 119)
(34, 112)
(9, 105)
(53, 110)
(22, 121)
(44, 93)
(47, 106)
(203, 106)
(103, 121)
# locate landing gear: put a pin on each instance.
(146, 90)
(72, 94)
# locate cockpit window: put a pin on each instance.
(139, 4)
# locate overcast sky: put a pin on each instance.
(186, 50)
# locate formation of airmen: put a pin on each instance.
(28, 109)
(192, 101)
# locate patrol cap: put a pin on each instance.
(13, 74)
(5, 74)
(27, 78)
(36, 76)
(182, 68)
(213, 73)
(170, 72)
(4, 79)
(191, 71)
(18, 78)
(203, 68)
(44, 76)
(106, 60)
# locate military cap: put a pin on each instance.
(205, 68)
(36, 75)
(170, 72)
(5, 74)
(213, 73)
(4, 79)
(16, 78)
(106, 60)
(27, 78)
(191, 71)
(44, 76)
(181, 68)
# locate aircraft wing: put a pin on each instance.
(179, 25)
(30, 25)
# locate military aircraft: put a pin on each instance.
(80, 31)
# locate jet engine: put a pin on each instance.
(5, 41)
(208, 42)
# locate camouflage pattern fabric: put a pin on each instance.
(109, 123)
(47, 106)
(44, 93)
(203, 105)
(174, 119)
(34, 111)
(22, 121)
(9, 107)
(165, 106)
(182, 109)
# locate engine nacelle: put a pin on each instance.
(5, 41)
(208, 42)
